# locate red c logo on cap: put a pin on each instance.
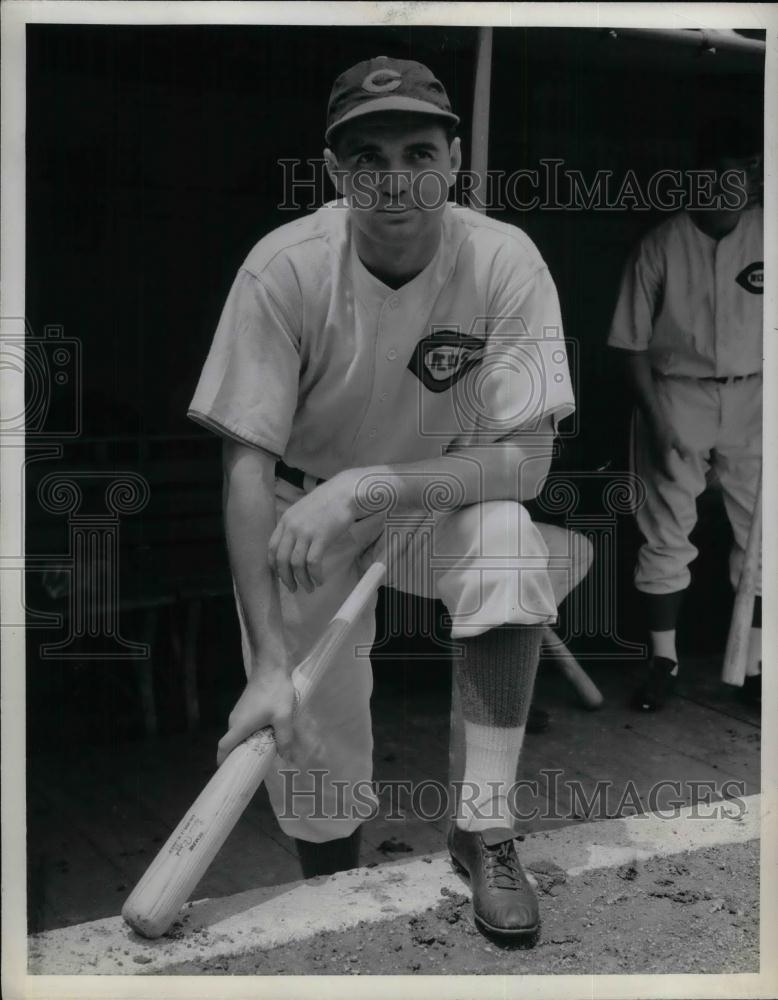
(382, 80)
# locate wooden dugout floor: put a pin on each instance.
(97, 816)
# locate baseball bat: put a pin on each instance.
(734, 667)
(479, 134)
(584, 686)
(175, 872)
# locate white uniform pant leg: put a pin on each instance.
(488, 563)
(737, 458)
(331, 793)
(669, 511)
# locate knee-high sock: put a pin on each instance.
(495, 676)
(663, 644)
(662, 611)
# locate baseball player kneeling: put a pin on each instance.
(390, 356)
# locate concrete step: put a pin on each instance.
(270, 916)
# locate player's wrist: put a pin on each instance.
(263, 675)
(377, 490)
(268, 661)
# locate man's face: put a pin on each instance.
(395, 170)
(749, 174)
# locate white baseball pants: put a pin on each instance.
(721, 424)
(488, 563)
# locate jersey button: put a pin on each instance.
(373, 432)
(394, 303)
(392, 354)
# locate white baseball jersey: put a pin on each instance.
(694, 302)
(316, 360)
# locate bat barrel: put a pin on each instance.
(181, 863)
(585, 687)
(175, 872)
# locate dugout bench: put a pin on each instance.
(118, 530)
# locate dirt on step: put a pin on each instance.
(696, 912)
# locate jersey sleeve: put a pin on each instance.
(641, 287)
(249, 384)
(524, 376)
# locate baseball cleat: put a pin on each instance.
(656, 687)
(329, 857)
(751, 692)
(504, 903)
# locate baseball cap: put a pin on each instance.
(384, 84)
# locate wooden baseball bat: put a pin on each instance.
(734, 667)
(584, 686)
(173, 875)
(479, 134)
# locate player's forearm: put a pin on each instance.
(642, 381)
(249, 518)
(503, 471)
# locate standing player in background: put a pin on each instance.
(689, 320)
(389, 344)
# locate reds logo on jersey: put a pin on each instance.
(444, 357)
(752, 278)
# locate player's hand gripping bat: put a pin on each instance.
(734, 667)
(183, 860)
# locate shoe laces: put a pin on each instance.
(501, 866)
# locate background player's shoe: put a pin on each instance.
(329, 857)
(751, 692)
(504, 903)
(656, 687)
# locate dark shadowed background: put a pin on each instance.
(152, 169)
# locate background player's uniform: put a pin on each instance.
(694, 303)
(319, 362)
